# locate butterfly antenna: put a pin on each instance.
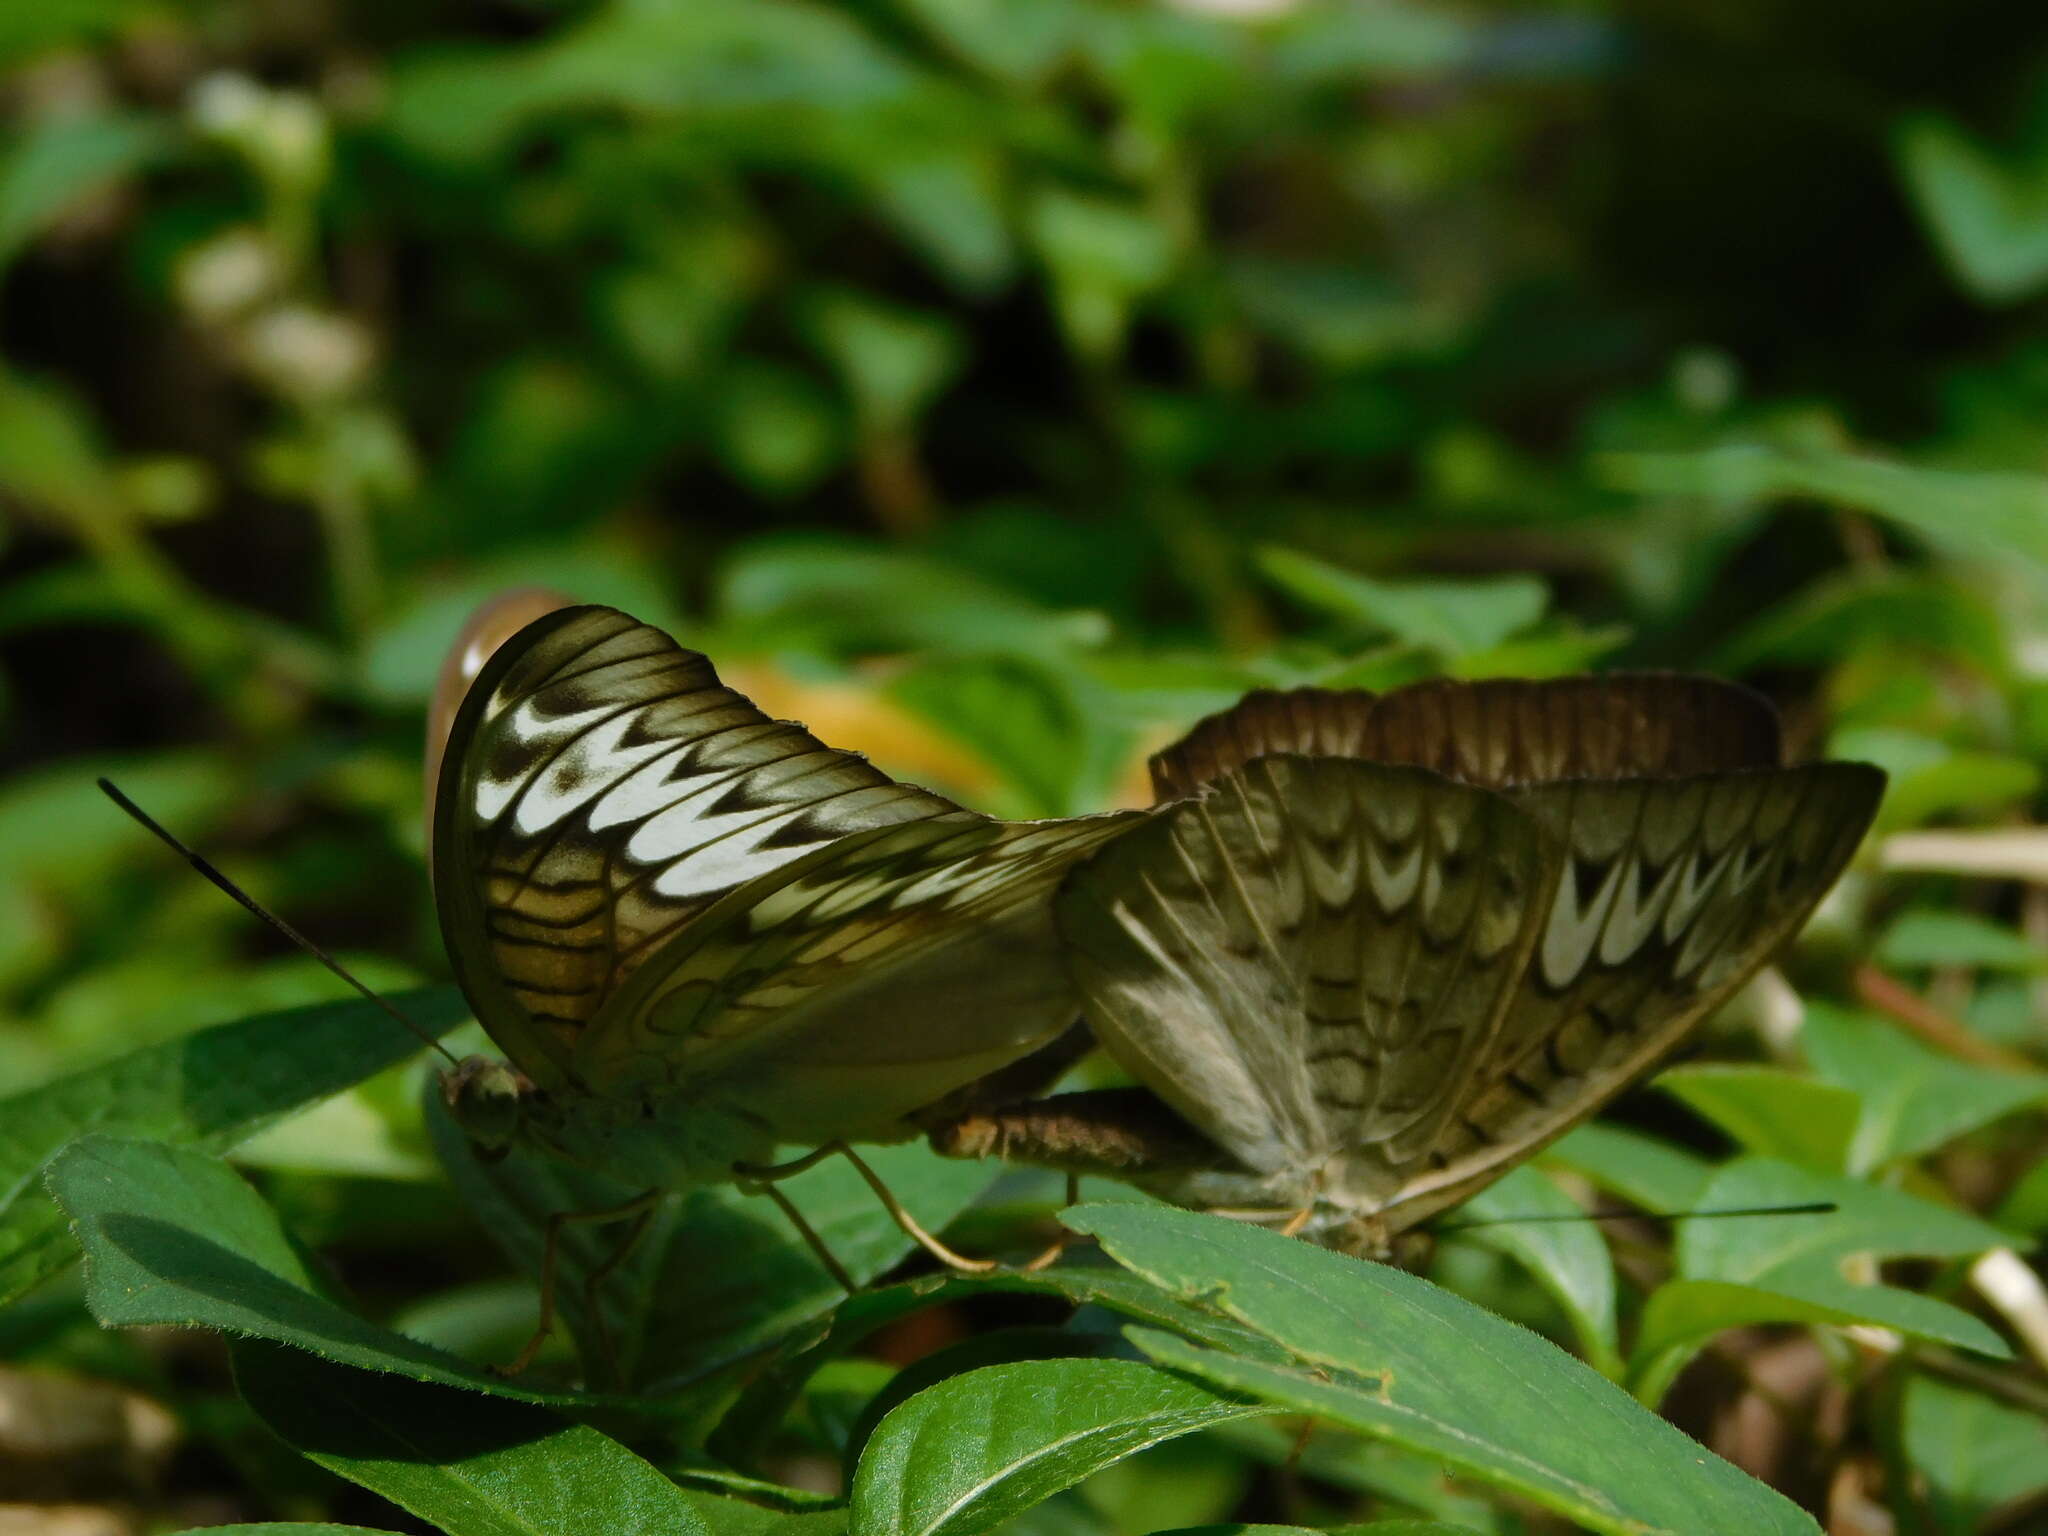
(1812, 1208)
(199, 862)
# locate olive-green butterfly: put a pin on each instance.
(699, 933)
(1373, 953)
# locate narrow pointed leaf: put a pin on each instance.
(1772, 1112)
(1569, 1256)
(1790, 1268)
(1653, 1174)
(176, 1238)
(211, 1090)
(1976, 1453)
(1912, 1099)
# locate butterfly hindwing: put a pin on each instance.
(841, 993)
(601, 789)
(1306, 960)
(1676, 857)
(1674, 892)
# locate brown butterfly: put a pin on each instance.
(1371, 953)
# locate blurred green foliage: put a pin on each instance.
(998, 385)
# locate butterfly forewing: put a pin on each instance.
(845, 991)
(1673, 893)
(1309, 959)
(601, 789)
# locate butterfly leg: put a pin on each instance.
(804, 1229)
(1058, 1245)
(909, 1223)
(550, 1265)
(594, 1281)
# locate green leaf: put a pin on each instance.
(1983, 783)
(1913, 1099)
(1102, 256)
(1774, 1112)
(469, 1465)
(1021, 716)
(1392, 1477)
(27, 30)
(400, 658)
(837, 596)
(769, 1397)
(1569, 1257)
(1373, 1528)
(1190, 1481)
(1654, 1174)
(1353, 44)
(670, 1317)
(1451, 618)
(778, 430)
(1341, 314)
(1976, 1453)
(1552, 649)
(283, 1528)
(1992, 517)
(1000, 1346)
(52, 457)
(963, 1456)
(1988, 218)
(2025, 1207)
(1848, 612)
(948, 197)
(179, 1239)
(729, 1516)
(56, 831)
(209, 1090)
(1930, 937)
(1790, 1268)
(1392, 1356)
(63, 159)
(1867, 1220)
(892, 361)
(728, 60)
(1019, 40)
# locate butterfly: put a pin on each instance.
(698, 933)
(1371, 953)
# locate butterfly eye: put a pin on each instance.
(488, 1101)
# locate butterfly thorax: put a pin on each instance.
(626, 1137)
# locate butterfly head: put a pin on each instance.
(489, 1101)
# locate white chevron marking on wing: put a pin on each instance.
(1572, 933)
